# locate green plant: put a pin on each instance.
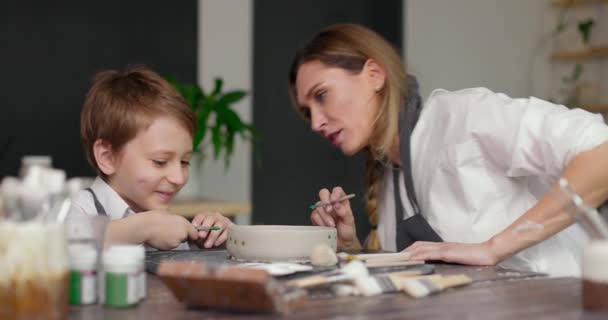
(584, 28)
(218, 123)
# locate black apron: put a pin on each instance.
(414, 228)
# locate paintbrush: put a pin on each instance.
(390, 282)
(423, 286)
(354, 269)
(326, 203)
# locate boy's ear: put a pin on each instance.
(375, 74)
(104, 156)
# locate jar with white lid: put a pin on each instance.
(83, 274)
(120, 278)
(139, 253)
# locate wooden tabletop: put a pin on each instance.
(495, 294)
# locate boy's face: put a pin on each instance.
(152, 167)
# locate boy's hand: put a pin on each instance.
(211, 238)
(165, 231)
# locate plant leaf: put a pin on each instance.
(217, 86)
(229, 148)
(216, 139)
(584, 28)
(232, 97)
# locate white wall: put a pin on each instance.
(469, 43)
(225, 50)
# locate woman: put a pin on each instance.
(484, 167)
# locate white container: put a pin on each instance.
(83, 274)
(120, 279)
(595, 276)
(138, 253)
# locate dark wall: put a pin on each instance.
(295, 163)
(50, 51)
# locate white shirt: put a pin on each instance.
(480, 160)
(114, 205)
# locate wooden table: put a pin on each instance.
(239, 211)
(495, 294)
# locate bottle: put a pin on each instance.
(83, 274)
(29, 161)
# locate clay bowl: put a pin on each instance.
(268, 243)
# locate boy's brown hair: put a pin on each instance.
(120, 103)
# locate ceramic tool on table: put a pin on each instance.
(326, 203)
(375, 260)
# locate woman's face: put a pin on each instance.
(340, 105)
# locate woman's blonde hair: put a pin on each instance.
(349, 47)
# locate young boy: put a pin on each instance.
(137, 133)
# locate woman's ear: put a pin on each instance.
(375, 74)
(104, 156)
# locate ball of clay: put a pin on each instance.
(322, 255)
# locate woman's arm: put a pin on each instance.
(587, 173)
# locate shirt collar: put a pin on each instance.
(114, 205)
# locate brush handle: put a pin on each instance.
(307, 282)
(326, 203)
(453, 281)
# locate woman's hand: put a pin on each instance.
(211, 238)
(478, 254)
(339, 216)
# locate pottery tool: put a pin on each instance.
(375, 260)
(393, 256)
(227, 287)
(327, 203)
(349, 272)
(423, 286)
(206, 228)
(391, 263)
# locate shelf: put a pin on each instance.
(581, 55)
(576, 3)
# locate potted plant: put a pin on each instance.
(217, 124)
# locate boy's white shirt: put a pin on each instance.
(115, 206)
(480, 160)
